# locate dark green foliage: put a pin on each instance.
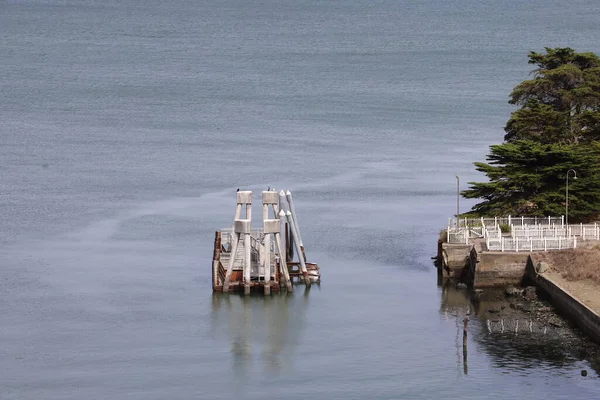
(505, 228)
(562, 101)
(556, 128)
(529, 178)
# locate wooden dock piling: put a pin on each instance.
(465, 334)
(248, 259)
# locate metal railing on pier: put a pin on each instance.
(531, 244)
(522, 234)
(509, 221)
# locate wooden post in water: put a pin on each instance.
(465, 323)
(216, 257)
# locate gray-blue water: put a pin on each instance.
(127, 126)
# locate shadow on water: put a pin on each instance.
(263, 331)
(517, 340)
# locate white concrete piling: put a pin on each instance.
(244, 198)
(267, 264)
(282, 201)
(240, 227)
(283, 206)
(296, 241)
(270, 198)
(292, 209)
(265, 256)
(247, 262)
(282, 256)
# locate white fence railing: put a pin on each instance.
(586, 231)
(543, 234)
(227, 238)
(538, 231)
(462, 235)
(509, 220)
(457, 236)
(531, 244)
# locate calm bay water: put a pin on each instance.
(126, 127)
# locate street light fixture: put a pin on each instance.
(567, 197)
(457, 199)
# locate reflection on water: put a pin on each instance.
(455, 306)
(516, 341)
(263, 331)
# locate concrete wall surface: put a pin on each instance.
(455, 257)
(571, 307)
(496, 269)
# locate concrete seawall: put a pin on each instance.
(454, 259)
(567, 303)
(497, 269)
(471, 263)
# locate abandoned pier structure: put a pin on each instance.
(268, 258)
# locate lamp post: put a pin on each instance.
(457, 199)
(567, 197)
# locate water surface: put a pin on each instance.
(126, 128)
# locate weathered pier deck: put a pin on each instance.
(262, 259)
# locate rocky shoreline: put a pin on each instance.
(518, 304)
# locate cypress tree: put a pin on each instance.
(556, 129)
